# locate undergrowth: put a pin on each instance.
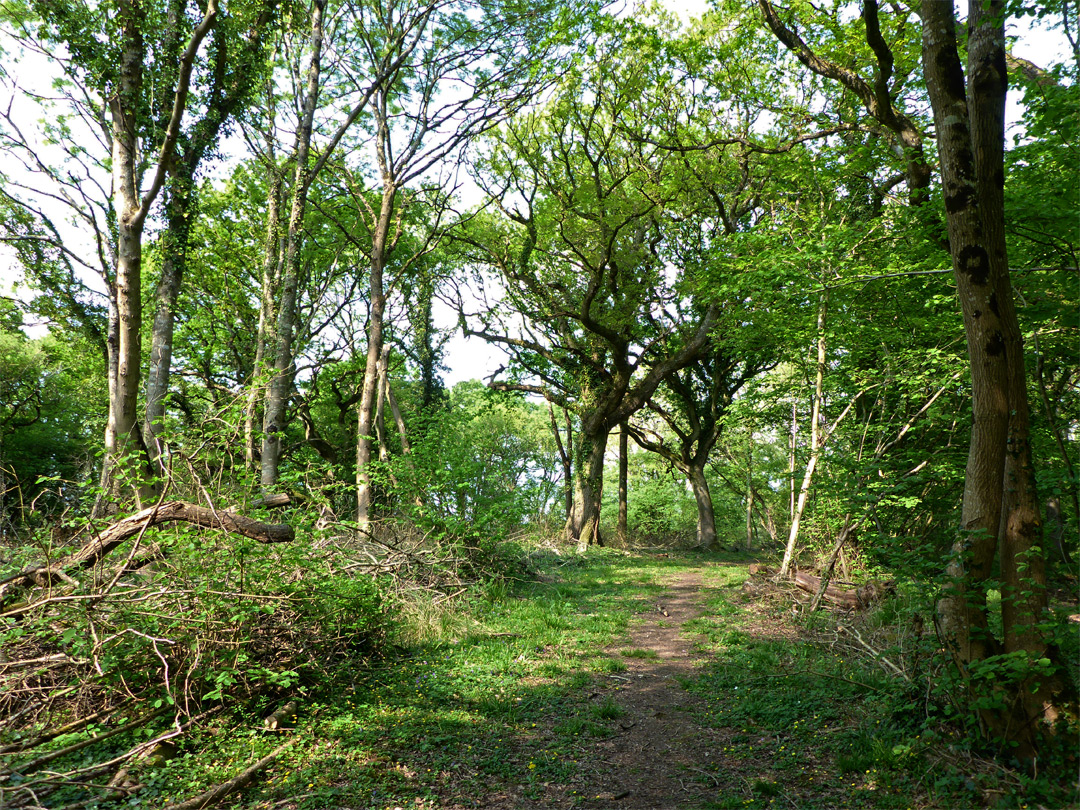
(429, 674)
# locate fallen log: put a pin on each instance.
(105, 541)
(850, 598)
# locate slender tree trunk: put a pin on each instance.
(272, 259)
(130, 217)
(815, 439)
(621, 529)
(706, 517)
(750, 492)
(377, 309)
(380, 405)
(180, 213)
(568, 463)
(564, 457)
(280, 387)
(791, 460)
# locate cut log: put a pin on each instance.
(105, 541)
(850, 598)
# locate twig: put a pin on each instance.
(885, 662)
(67, 728)
(45, 759)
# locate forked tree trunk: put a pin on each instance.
(124, 454)
(1000, 510)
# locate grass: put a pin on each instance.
(506, 692)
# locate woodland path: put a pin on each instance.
(653, 760)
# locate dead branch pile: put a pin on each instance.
(115, 651)
(118, 651)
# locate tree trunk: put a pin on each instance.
(380, 405)
(271, 269)
(281, 383)
(815, 439)
(1000, 511)
(131, 205)
(706, 518)
(621, 529)
(583, 527)
(130, 218)
(180, 213)
(565, 458)
(791, 459)
(750, 491)
(369, 395)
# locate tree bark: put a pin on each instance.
(1000, 510)
(280, 386)
(706, 517)
(621, 528)
(584, 523)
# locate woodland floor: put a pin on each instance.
(636, 681)
(618, 680)
(657, 748)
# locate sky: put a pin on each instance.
(466, 358)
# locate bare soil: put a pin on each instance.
(658, 757)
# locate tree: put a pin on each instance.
(699, 396)
(495, 52)
(580, 252)
(1000, 517)
(117, 66)
(236, 51)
